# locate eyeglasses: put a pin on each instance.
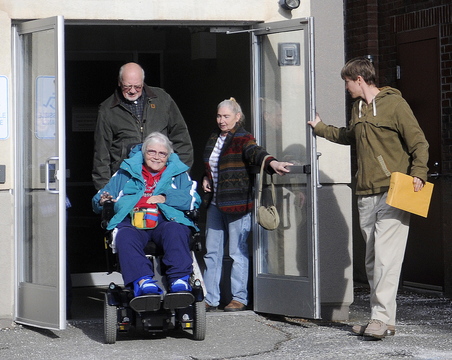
(153, 153)
(129, 87)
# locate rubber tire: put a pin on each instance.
(199, 321)
(110, 322)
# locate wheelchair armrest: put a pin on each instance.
(108, 210)
(195, 242)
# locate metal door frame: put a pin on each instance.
(313, 179)
(24, 304)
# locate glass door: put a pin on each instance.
(40, 179)
(286, 277)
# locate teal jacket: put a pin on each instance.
(127, 187)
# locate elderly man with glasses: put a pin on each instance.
(132, 112)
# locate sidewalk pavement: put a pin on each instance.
(424, 331)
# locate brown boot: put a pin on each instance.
(359, 330)
(234, 305)
(376, 328)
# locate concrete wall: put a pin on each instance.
(6, 197)
(334, 163)
(335, 207)
(154, 10)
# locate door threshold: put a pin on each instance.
(96, 279)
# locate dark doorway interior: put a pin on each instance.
(196, 81)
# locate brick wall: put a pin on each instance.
(446, 92)
(361, 28)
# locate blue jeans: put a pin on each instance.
(220, 228)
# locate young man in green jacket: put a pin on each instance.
(388, 138)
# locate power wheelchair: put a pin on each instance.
(152, 313)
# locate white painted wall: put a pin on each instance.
(335, 208)
(155, 10)
(6, 197)
(329, 50)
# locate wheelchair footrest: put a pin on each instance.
(146, 303)
(179, 300)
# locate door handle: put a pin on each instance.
(318, 185)
(286, 212)
(436, 174)
(300, 169)
(47, 175)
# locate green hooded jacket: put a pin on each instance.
(388, 138)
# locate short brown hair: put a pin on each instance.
(359, 67)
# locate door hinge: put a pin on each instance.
(398, 72)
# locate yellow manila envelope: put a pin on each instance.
(401, 195)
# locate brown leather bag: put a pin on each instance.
(267, 216)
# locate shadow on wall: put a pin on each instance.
(359, 246)
(335, 244)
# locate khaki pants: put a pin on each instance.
(385, 230)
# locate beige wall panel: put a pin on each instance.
(188, 10)
(6, 198)
(334, 162)
(6, 147)
(6, 255)
(336, 262)
(334, 198)
(330, 99)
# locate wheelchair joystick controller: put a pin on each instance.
(108, 211)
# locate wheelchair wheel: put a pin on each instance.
(110, 322)
(199, 326)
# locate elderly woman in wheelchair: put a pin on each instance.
(152, 195)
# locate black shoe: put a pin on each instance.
(211, 308)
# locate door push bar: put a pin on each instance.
(47, 175)
(294, 169)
